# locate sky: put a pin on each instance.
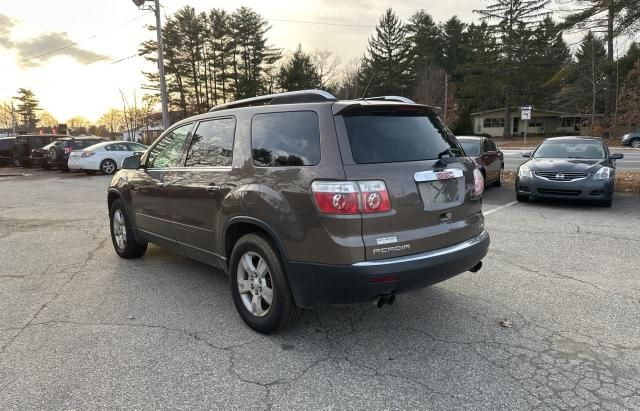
(87, 78)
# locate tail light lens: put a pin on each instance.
(67, 150)
(375, 198)
(478, 186)
(86, 154)
(350, 197)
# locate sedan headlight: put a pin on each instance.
(524, 171)
(603, 174)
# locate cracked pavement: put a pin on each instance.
(81, 328)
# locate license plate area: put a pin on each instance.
(440, 190)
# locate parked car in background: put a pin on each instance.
(6, 155)
(106, 157)
(25, 144)
(306, 200)
(571, 168)
(631, 139)
(40, 156)
(486, 154)
(60, 151)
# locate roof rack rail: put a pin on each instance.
(392, 98)
(290, 97)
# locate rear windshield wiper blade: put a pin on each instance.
(448, 152)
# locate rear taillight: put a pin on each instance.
(86, 154)
(375, 198)
(478, 180)
(351, 197)
(67, 150)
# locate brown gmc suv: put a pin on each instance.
(305, 200)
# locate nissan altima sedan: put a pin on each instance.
(570, 168)
(106, 156)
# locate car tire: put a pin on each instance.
(635, 142)
(605, 203)
(255, 266)
(498, 182)
(108, 166)
(522, 198)
(122, 237)
(90, 172)
(46, 165)
(17, 162)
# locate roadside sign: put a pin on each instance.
(525, 114)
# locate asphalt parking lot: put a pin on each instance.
(81, 328)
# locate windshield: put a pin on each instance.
(397, 137)
(471, 147)
(587, 149)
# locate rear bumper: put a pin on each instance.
(587, 189)
(316, 284)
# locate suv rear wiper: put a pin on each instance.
(448, 152)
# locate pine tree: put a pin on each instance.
(426, 40)
(298, 73)
(510, 20)
(629, 109)
(452, 44)
(388, 62)
(27, 108)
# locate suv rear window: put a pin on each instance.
(285, 139)
(396, 137)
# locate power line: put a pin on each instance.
(46, 53)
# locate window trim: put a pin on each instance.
(491, 121)
(145, 158)
(284, 112)
(183, 159)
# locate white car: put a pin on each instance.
(106, 157)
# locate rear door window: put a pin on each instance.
(285, 139)
(212, 144)
(397, 137)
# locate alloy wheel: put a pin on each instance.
(119, 229)
(108, 167)
(253, 279)
(635, 143)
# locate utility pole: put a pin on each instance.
(446, 95)
(163, 83)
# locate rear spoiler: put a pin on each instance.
(372, 106)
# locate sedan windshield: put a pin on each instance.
(471, 147)
(587, 149)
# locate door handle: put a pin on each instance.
(162, 184)
(212, 188)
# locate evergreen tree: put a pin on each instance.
(426, 41)
(298, 73)
(510, 20)
(452, 44)
(629, 109)
(27, 108)
(221, 47)
(388, 62)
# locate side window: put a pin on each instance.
(116, 147)
(168, 150)
(212, 143)
(285, 139)
(136, 147)
(486, 145)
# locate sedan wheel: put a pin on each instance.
(108, 167)
(635, 143)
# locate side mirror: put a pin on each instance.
(131, 163)
(616, 156)
(526, 154)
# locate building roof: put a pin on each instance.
(517, 109)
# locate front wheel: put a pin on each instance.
(498, 182)
(635, 143)
(259, 288)
(605, 203)
(522, 198)
(108, 166)
(124, 242)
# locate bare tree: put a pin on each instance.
(326, 65)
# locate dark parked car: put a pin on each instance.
(631, 139)
(6, 155)
(24, 144)
(40, 156)
(569, 167)
(59, 152)
(489, 158)
(305, 200)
